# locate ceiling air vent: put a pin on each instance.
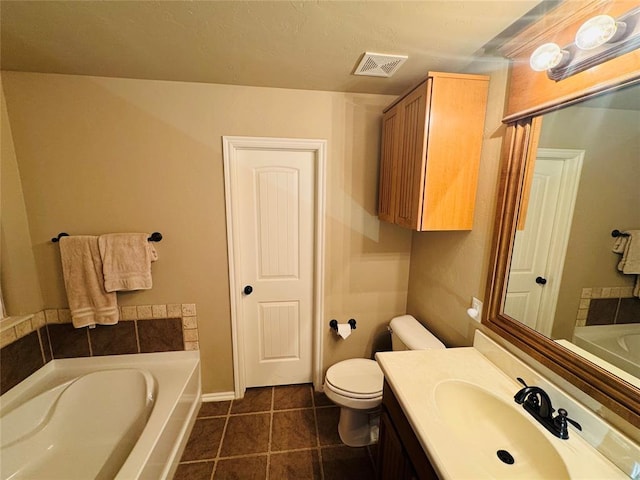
(379, 64)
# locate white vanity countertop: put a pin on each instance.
(414, 377)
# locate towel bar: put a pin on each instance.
(617, 233)
(155, 237)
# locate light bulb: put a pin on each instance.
(597, 31)
(547, 56)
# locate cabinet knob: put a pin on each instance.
(541, 280)
(247, 290)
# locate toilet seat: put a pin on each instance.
(357, 378)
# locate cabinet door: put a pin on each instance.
(457, 107)
(393, 463)
(411, 165)
(391, 152)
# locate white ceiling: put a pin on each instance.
(291, 44)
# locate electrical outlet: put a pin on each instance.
(477, 305)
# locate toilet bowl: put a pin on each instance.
(355, 385)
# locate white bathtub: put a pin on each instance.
(124, 417)
(617, 344)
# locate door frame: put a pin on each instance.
(560, 232)
(230, 146)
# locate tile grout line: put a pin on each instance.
(315, 419)
(273, 395)
(224, 432)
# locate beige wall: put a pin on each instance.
(19, 279)
(448, 268)
(609, 188)
(103, 155)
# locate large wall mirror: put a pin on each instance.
(570, 182)
(564, 279)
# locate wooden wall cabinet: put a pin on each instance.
(400, 455)
(431, 145)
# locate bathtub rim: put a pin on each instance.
(589, 338)
(184, 403)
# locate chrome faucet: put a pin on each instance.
(536, 401)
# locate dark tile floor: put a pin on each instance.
(274, 433)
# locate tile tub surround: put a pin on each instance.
(607, 306)
(285, 432)
(21, 358)
(34, 340)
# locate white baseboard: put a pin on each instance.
(218, 397)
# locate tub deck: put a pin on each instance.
(617, 344)
(158, 449)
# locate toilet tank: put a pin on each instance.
(409, 334)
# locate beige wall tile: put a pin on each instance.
(129, 313)
(190, 335)
(626, 292)
(24, 328)
(144, 312)
(174, 310)
(189, 322)
(39, 320)
(188, 309)
(7, 337)
(64, 315)
(51, 316)
(159, 311)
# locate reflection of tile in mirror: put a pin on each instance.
(602, 311)
(629, 311)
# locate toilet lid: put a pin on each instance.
(358, 376)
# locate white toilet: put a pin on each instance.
(356, 384)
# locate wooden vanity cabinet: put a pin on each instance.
(430, 156)
(400, 455)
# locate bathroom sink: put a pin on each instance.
(499, 437)
(461, 408)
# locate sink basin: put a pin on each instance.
(460, 406)
(484, 425)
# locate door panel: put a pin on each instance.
(277, 196)
(276, 222)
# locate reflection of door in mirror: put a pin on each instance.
(589, 290)
(541, 244)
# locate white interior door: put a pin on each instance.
(531, 247)
(539, 249)
(273, 208)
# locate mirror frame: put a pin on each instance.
(531, 94)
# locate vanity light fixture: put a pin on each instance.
(599, 30)
(598, 40)
(547, 56)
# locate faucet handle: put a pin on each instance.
(522, 381)
(561, 421)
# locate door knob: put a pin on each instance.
(541, 280)
(247, 290)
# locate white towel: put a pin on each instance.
(629, 247)
(88, 301)
(126, 259)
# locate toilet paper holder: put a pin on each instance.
(334, 324)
